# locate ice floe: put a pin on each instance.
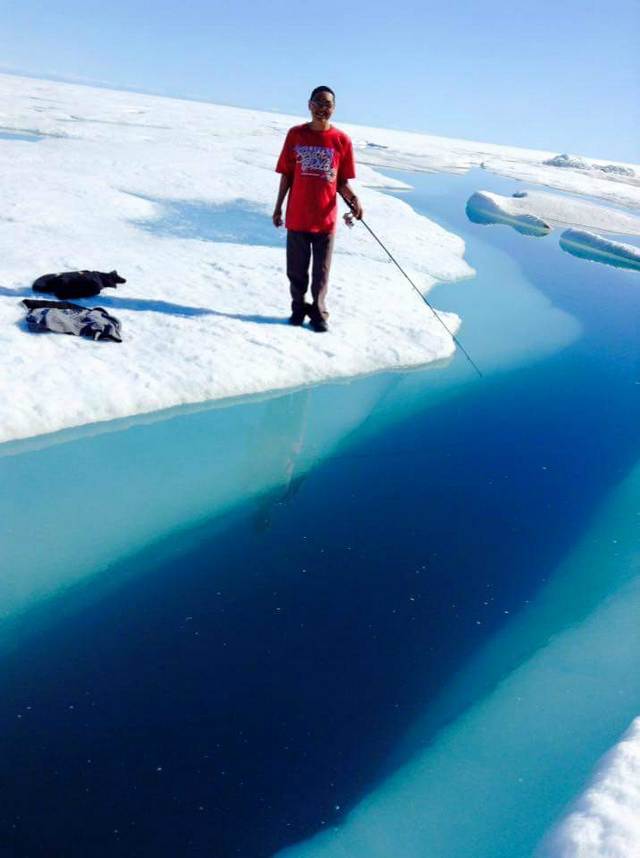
(535, 212)
(487, 208)
(605, 821)
(203, 318)
(597, 248)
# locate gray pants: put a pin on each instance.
(299, 247)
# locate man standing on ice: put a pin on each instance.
(316, 164)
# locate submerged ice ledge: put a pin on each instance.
(180, 472)
(492, 781)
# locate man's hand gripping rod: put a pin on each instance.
(348, 219)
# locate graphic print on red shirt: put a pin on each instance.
(316, 162)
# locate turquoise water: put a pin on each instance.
(228, 629)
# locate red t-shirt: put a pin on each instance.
(317, 162)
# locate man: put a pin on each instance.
(316, 163)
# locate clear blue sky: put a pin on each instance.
(559, 75)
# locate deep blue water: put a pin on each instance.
(250, 678)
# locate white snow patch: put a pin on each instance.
(605, 820)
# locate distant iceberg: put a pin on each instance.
(571, 161)
(576, 163)
(589, 245)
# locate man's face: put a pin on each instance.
(322, 106)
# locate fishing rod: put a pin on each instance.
(349, 221)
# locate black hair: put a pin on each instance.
(319, 89)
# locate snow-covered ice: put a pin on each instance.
(403, 150)
(605, 821)
(200, 319)
(575, 162)
(588, 245)
(621, 190)
(203, 319)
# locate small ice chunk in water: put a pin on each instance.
(589, 245)
(486, 208)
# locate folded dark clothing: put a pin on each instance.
(63, 317)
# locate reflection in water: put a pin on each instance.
(279, 445)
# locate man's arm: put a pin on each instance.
(285, 184)
(350, 198)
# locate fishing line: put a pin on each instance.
(397, 264)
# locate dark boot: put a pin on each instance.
(298, 314)
(318, 324)
(297, 317)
